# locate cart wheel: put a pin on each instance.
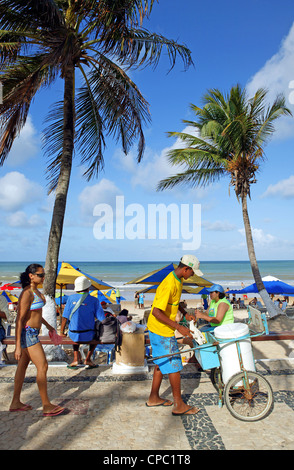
(248, 396)
(216, 378)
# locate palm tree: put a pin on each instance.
(230, 134)
(94, 43)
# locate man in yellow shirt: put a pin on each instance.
(162, 325)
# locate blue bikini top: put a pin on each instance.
(37, 302)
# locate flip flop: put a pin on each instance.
(22, 408)
(74, 367)
(53, 412)
(164, 403)
(187, 412)
(94, 366)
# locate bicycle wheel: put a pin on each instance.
(248, 396)
(216, 377)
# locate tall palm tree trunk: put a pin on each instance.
(271, 308)
(62, 186)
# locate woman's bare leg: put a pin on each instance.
(19, 379)
(38, 357)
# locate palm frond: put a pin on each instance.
(122, 108)
(20, 83)
(193, 178)
(24, 15)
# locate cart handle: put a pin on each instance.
(207, 345)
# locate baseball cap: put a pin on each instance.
(192, 262)
(216, 288)
(82, 283)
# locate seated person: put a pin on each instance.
(220, 311)
(107, 310)
(81, 312)
(124, 316)
(4, 316)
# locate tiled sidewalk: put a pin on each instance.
(108, 412)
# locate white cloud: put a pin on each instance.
(155, 167)
(16, 191)
(103, 192)
(284, 188)
(25, 147)
(260, 238)
(21, 220)
(277, 75)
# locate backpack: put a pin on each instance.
(108, 331)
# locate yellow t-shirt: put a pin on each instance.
(167, 299)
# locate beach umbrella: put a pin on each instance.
(67, 274)
(102, 297)
(155, 278)
(9, 297)
(272, 285)
(62, 297)
(9, 286)
(111, 295)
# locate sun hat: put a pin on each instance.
(216, 288)
(192, 262)
(82, 283)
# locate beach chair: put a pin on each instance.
(105, 348)
(284, 305)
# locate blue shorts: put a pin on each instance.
(162, 345)
(29, 337)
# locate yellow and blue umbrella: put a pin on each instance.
(9, 297)
(155, 277)
(102, 296)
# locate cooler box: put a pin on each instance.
(207, 354)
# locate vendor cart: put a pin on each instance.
(247, 394)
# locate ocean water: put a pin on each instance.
(227, 273)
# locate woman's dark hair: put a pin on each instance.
(124, 312)
(221, 295)
(25, 278)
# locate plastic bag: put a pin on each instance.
(128, 327)
(55, 338)
(197, 334)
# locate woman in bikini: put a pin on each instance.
(27, 344)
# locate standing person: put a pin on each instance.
(118, 296)
(204, 300)
(81, 311)
(136, 299)
(141, 300)
(162, 325)
(27, 344)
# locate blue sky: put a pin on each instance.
(231, 42)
